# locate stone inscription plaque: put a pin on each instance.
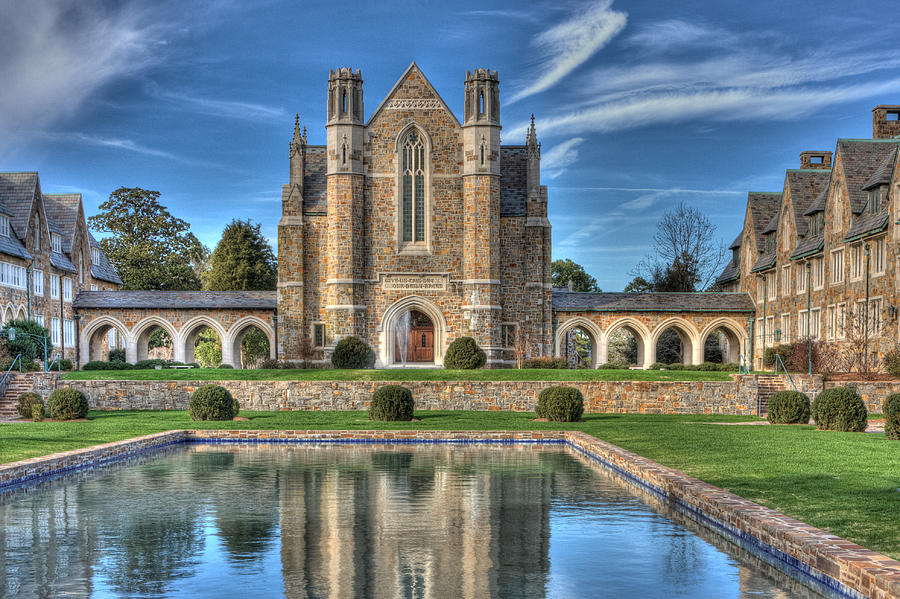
(414, 282)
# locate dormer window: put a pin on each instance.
(4, 225)
(55, 242)
(770, 242)
(874, 205)
(95, 255)
(736, 256)
(815, 223)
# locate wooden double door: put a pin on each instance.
(420, 341)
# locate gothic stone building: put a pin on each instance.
(47, 257)
(413, 226)
(820, 257)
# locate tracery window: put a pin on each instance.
(412, 188)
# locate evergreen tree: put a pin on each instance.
(243, 260)
(563, 271)
(150, 248)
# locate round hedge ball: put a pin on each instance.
(464, 354)
(789, 407)
(560, 404)
(840, 409)
(891, 410)
(353, 353)
(212, 402)
(67, 404)
(26, 400)
(391, 403)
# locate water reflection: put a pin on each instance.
(360, 521)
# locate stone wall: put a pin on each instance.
(645, 397)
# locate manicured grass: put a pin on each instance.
(848, 483)
(397, 374)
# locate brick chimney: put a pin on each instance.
(815, 159)
(885, 121)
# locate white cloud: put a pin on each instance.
(120, 144)
(567, 45)
(222, 108)
(560, 157)
(58, 54)
(663, 35)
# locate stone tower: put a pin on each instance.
(481, 209)
(291, 327)
(345, 187)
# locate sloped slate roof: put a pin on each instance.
(772, 225)
(249, 300)
(17, 191)
(882, 176)
(60, 261)
(13, 247)
(104, 271)
(513, 182)
(62, 211)
(809, 246)
(314, 180)
(737, 241)
(805, 186)
(731, 272)
(767, 260)
(866, 223)
(573, 301)
(818, 205)
(861, 159)
(763, 206)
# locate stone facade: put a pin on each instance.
(474, 255)
(827, 242)
(51, 256)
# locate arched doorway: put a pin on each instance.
(577, 340)
(414, 338)
(393, 322)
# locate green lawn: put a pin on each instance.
(848, 483)
(397, 374)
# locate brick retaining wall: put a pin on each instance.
(689, 397)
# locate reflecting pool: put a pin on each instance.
(362, 521)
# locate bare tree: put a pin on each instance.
(686, 256)
(521, 347)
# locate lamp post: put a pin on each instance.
(808, 316)
(750, 359)
(866, 321)
(12, 333)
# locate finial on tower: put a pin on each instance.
(533, 147)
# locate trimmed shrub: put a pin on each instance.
(150, 364)
(67, 404)
(100, 365)
(26, 400)
(193, 364)
(840, 409)
(391, 403)
(464, 354)
(891, 410)
(892, 362)
(225, 366)
(709, 367)
(560, 404)
(613, 366)
(65, 364)
(789, 407)
(545, 362)
(37, 411)
(677, 366)
(354, 353)
(212, 402)
(659, 366)
(31, 366)
(731, 367)
(116, 355)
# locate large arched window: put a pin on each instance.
(412, 187)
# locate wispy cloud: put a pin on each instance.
(58, 54)
(560, 157)
(120, 144)
(220, 108)
(524, 15)
(567, 45)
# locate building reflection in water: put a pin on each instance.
(359, 521)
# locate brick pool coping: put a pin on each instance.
(844, 567)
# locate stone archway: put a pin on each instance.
(641, 336)
(692, 349)
(187, 337)
(395, 315)
(736, 338)
(598, 356)
(231, 343)
(137, 345)
(94, 344)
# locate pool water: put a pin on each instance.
(362, 521)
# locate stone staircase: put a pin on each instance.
(767, 386)
(18, 383)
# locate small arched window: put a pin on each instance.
(412, 187)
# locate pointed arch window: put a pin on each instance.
(412, 187)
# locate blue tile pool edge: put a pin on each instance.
(782, 561)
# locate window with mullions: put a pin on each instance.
(412, 183)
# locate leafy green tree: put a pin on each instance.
(28, 340)
(638, 285)
(208, 348)
(243, 260)
(254, 347)
(150, 248)
(563, 271)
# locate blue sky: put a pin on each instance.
(639, 104)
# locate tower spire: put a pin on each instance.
(532, 145)
(298, 142)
